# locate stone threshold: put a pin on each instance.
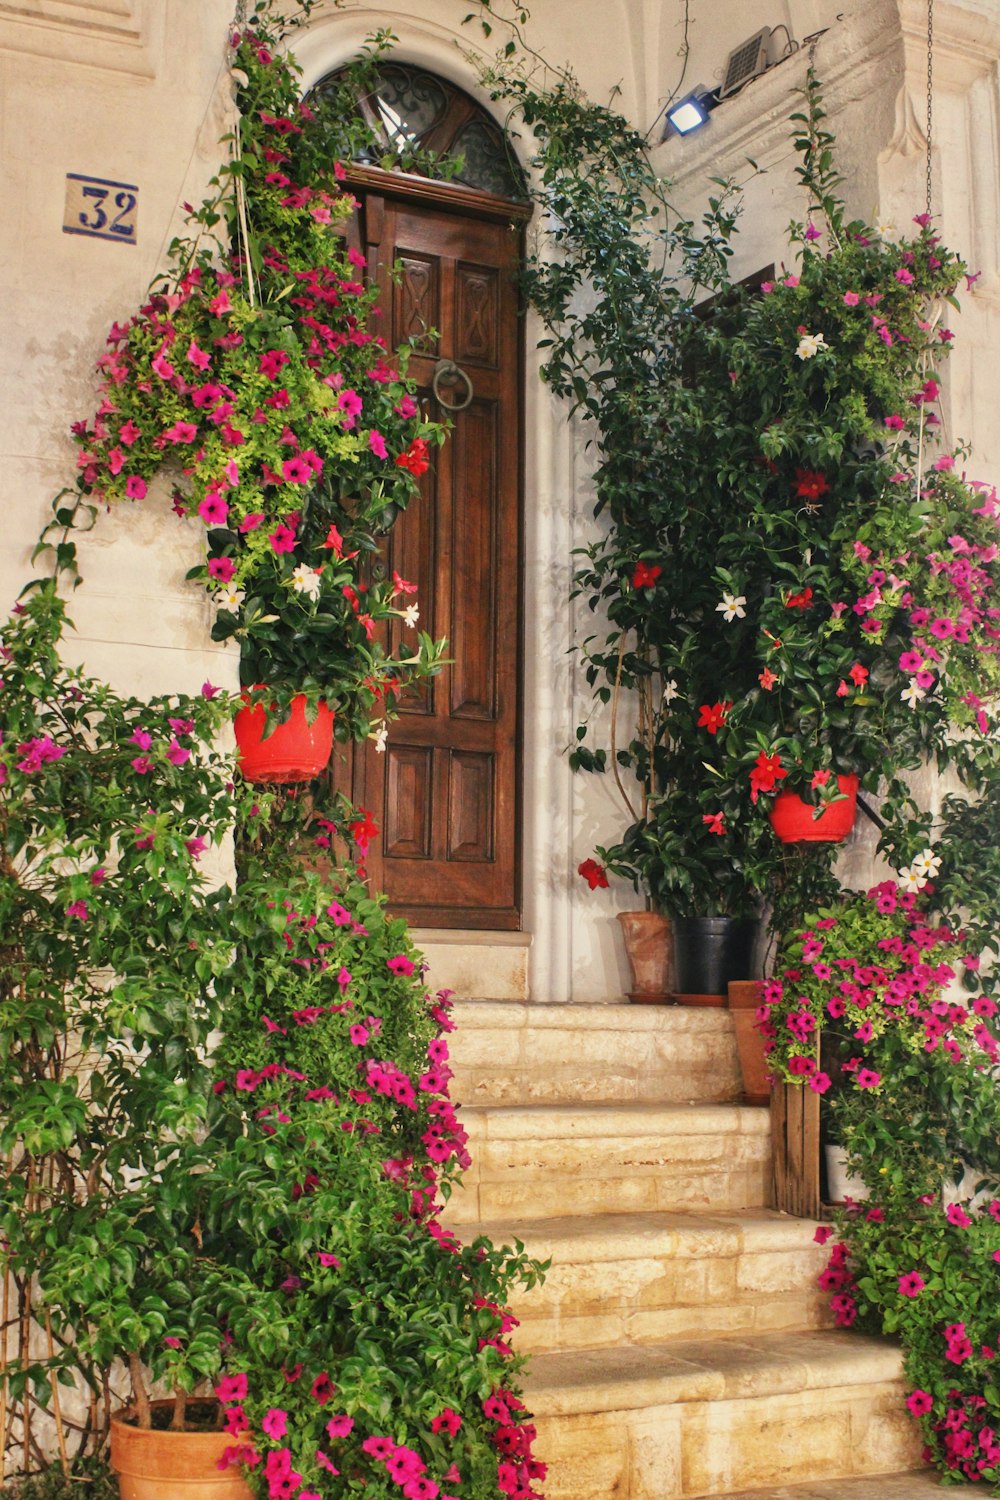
(493, 965)
(922, 1484)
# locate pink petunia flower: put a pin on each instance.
(282, 538)
(213, 509)
(912, 1284)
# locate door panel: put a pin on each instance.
(445, 792)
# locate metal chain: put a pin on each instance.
(930, 97)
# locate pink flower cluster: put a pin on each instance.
(230, 405)
(289, 1094)
(903, 990)
(951, 607)
(968, 1444)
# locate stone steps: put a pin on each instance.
(550, 1161)
(621, 1279)
(515, 1054)
(710, 1416)
(922, 1484)
(680, 1347)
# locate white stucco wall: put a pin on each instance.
(135, 90)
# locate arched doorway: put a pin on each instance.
(445, 792)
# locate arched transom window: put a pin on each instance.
(411, 113)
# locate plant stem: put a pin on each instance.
(140, 1395)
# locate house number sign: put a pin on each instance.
(102, 209)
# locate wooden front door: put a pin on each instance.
(445, 792)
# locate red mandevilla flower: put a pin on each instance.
(593, 873)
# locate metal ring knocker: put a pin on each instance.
(446, 372)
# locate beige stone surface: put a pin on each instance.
(652, 1277)
(919, 1484)
(709, 1417)
(712, 1369)
(546, 1162)
(523, 1054)
(491, 964)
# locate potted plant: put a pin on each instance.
(233, 1103)
(113, 943)
(680, 858)
(800, 610)
(234, 1100)
(251, 380)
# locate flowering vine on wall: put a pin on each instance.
(234, 1101)
(252, 380)
(795, 579)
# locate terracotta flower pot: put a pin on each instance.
(649, 948)
(294, 751)
(744, 998)
(794, 822)
(156, 1464)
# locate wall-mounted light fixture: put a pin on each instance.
(689, 113)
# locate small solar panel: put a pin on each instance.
(747, 61)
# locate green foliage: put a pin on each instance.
(865, 1011)
(225, 1111)
(792, 589)
(112, 943)
(89, 1478)
(252, 379)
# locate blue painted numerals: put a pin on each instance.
(102, 209)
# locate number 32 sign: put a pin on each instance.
(105, 210)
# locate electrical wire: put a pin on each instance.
(685, 51)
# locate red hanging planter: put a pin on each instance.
(794, 822)
(294, 751)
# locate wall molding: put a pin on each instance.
(112, 35)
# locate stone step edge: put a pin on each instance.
(579, 1382)
(625, 1236)
(906, 1484)
(611, 1015)
(493, 1122)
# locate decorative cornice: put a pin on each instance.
(966, 38)
(113, 35)
(850, 58)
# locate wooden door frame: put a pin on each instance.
(473, 203)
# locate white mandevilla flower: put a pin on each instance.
(885, 231)
(810, 344)
(670, 691)
(306, 580)
(731, 606)
(229, 598)
(411, 615)
(381, 737)
(911, 879)
(913, 694)
(927, 863)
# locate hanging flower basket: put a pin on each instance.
(294, 751)
(794, 821)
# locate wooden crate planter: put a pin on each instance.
(795, 1150)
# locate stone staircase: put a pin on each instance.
(679, 1345)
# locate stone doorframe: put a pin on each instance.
(552, 472)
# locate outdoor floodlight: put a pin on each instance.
(690, 112)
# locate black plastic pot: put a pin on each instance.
(709, 952)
